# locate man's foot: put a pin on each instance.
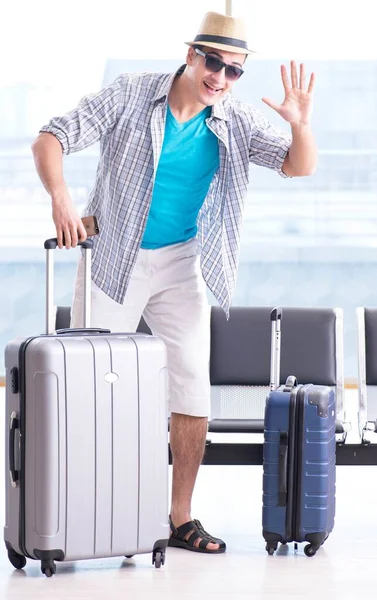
(192, 536)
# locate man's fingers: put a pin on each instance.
(271, 104)
(81, 232)
(293, 74)
(67, 238)
(284, 77)
(59, 237)
(311, 83)
(74, 235)
(69, 235)
(302, 77)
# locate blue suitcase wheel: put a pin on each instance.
(271, 548)
(310, 550)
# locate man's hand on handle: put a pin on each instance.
(48, 157)
(69, 227)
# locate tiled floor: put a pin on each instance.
(228, 502)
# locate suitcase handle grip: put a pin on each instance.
(82, 331)
(52, 243)
(276, 314)
(14, 425)
(283, 468)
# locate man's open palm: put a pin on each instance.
(298, 102)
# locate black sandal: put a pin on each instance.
(186, 535)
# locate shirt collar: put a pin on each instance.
(165, 86)
(220, 110)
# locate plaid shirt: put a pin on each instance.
(128, 117)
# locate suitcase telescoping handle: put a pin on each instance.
(50, 245)
(276, 315)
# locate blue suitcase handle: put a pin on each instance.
(283, 468)
(290, 383)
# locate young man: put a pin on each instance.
(169, 193)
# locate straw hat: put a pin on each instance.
(222, 32)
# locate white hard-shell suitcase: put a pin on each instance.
(86, 442)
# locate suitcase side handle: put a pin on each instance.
(283, 468)
(51, 245)
(13, 426)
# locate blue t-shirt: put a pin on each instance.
(188, 161)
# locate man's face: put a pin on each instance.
(209, 87)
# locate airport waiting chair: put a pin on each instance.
(367, 371)
(311, 349)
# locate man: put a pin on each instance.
(169, 193)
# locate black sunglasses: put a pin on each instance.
(215, 65)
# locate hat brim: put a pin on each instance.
(223, 47)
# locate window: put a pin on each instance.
(309, 241)
(312, 241)
(57, 53)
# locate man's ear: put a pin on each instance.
(191, 55)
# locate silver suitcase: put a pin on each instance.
(86, 442)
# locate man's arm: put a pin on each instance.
(48, 158)
(296, 109)
(93, 118)
(302, 155)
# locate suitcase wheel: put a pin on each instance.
(129, 555)
(271, 548)
(158, 558)
(17, 560)
(48, 568)
(310, 550)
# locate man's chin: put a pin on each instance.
(208, 101)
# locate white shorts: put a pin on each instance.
(168, 289)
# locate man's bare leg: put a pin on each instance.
(187, 443)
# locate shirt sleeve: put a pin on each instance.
(94, 116)
(268, 146)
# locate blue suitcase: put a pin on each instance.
(299, 455)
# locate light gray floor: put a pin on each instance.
(228, 502)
